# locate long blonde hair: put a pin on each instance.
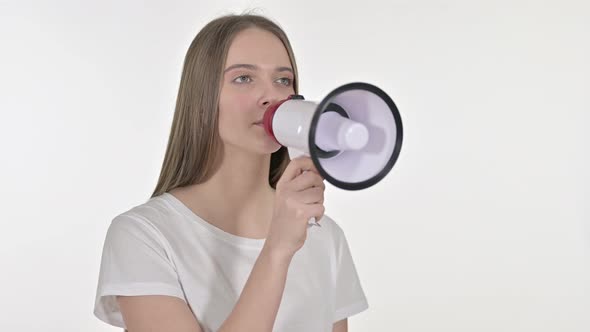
(192, 154)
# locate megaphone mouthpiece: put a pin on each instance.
(335, 132)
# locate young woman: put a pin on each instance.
(223, 244)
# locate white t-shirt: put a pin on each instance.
(162, 248)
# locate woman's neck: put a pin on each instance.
(237, 198)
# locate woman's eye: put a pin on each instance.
(243, 79)
(285, 81)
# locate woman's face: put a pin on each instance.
(257, 73)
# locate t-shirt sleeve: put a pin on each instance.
(134, 262)
(349, 296)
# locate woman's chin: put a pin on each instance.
(272, 148)
(264, 148)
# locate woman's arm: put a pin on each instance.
(255, 310)
(341, 326)
(157, 313)
(257, 307)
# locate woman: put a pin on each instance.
(223, 244)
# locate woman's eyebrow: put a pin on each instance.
(255, 67)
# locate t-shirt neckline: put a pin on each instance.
(215, 231)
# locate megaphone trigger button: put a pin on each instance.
(296, 97)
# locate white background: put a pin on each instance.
(482, 225)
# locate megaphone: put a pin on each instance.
(354, 135)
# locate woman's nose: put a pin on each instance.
(269, 99)
(271, 94)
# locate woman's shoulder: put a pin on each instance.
(330, 224)
(333, 230)
(146, 226)
(150, 215)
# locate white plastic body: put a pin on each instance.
(291, 124)
(292, 121)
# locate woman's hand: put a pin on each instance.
(299, 197)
